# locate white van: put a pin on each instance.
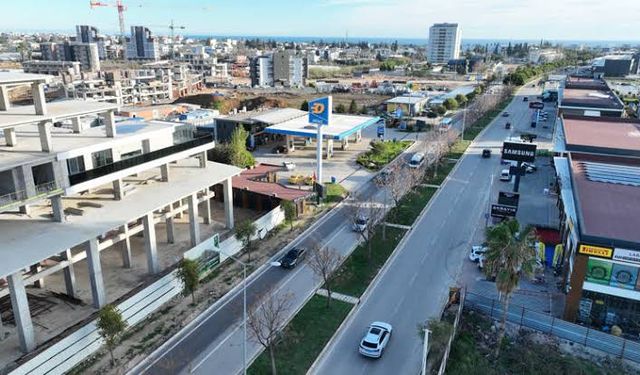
(416, 160)
(505, 175)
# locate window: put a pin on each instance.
(75, 165)
(101, 158)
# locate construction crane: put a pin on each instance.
(172, 27)
(116, 4)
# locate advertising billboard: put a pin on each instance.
(524, 152)
(499, 210)
(596, 251)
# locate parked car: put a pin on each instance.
(486, 153)
(505, 175)
(529, 167)
(507, 125)
(290, 259)
(476, 252)
(359, 224)
(279, 150)
(375, 340)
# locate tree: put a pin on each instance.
(305, 106)
(239, 155)
(110, 326)
(244, 231)
(188, 274)
(353, 107)
(511, 253)
(340, 108)
(461, 99)
(266, 321)
(371, 212)
(290, 212)
(324, 261)
(363, 110)
(450, 104)
(441, 110)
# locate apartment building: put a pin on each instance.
(54, 68)
(200, 61)
(78, 187)
(444, 43)
(84, 53)
(142, 45)
(90, 34)
(281, 68)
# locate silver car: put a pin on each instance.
(375, 340)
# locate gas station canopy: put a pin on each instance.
(342, 126)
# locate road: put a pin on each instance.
(414, 286)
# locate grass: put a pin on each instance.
(382, 153)
(306, 335)
(471, 132)
(357, 272)
(444, 168)
(335, 192)
(411, 205)
(458, 149)
(471, 354)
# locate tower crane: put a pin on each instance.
(116, 4)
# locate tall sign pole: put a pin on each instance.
(320, 111)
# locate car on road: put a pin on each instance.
(375, 340)
(507, 125)
(416, 160)
(290, 259)
(359, 224)
(505, 114)
(486, 153)
(525, 99)
(505, 175)
(477, 251)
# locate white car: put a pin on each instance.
(359, 224)
(505, 175)
(477, 252)
(375, 339)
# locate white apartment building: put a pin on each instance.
(78, 185)
(444, 43)
(283, 68)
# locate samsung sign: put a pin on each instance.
(525, 152)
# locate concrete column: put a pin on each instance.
(203, 159)
(194, 225)
(87, 159)
(10, 137)
(35, 268)
(329, 148)
(21, 313)
(5, 103)
(180, 213)
(126, 248)
(150, 244)
(39, 101)
(44, 129)
(110, 124)
(171, 226)
(164, 172)
(227, 194)
(76, 124)
(207, 210)
(146, 146)
(95, 274)
(58, 208)
(345, 143)
(69, 275)
(290, 146)
(118, 191)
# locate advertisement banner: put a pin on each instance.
(499, 210)
(625, 255)
(525, 152)
(596, 251)
(207, 262)
(599, 271)
(624, 276)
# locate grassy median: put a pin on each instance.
(471, 132)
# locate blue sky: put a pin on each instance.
(503, 19)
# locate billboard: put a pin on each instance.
(524, 152)
(500, 210)
(320, 111)
(508, 199)
(596, 251)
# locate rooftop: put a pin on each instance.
(407, 100)
(38, 239)
(271, 116)
(247, 180)
(610, 135)
(607, 197)
(17, 77)
(56, 111)
(590, 98)
(341, 126)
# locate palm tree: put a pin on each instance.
(510, 255)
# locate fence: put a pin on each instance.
(546, 323)
(445, 357)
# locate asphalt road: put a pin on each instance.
(415, 285)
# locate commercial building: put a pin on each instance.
(408, 105)
(444, 43)
(620, 65)
(598, 170)
(142, 45)
(77, 185)
(282, 68)
(90, 34)
(588, 97)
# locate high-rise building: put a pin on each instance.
(283, 68)
(89, 34)
(444, 43)
(84, 53)
(142, 45)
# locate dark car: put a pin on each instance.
(486, 153)
(505, 114)
(280, 149)
(525, 99)
(507, 125)
(290, 260)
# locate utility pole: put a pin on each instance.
(464, 119)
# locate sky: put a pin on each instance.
(479, 19)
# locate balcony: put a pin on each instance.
(122, 165)
(11, 198)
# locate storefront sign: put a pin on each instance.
(525, 152)
(596, 251)
(499, 210)
(624, 255)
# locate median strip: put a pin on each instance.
(339, 296)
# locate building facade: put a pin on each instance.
(444, 43)
(282, 68)
(142, 45)
(90, 34)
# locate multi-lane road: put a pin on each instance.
(415, 284)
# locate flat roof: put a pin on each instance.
(56, 111)
(28, 149)
(606, 211)
(341, 127)
(590, 98)
(609, 135)
(406, 100)
(271, 116)
(29, 241)
(18, 77)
